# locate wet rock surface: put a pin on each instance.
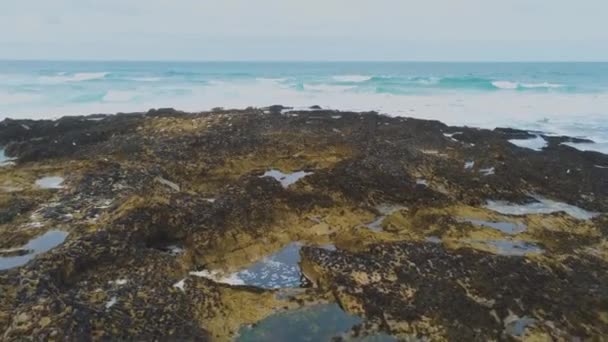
(150, 200)
(422, 288)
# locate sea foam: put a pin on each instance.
(9, 98)
(537, 143)
(119, 95)
(517, 85)
(351, 78)
(327, 87)
(78, 77)
(463, 94)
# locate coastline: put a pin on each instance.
(163, 207)
(568, 99)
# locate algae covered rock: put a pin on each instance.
(167, 216)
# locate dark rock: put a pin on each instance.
(112, 279)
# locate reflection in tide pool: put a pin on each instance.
(316, 323)
(541, 206)
(3, 156)
(36, 246)
(276, 271)
(279, 270)
(516, 326)
(4, 159)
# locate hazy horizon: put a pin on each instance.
(272, 30)
(261, 61)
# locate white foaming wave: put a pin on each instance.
(271, 80)
(218, 83)
(516, 85)
(505, 84)
(561, 113)
(541, 85)
(601, 147)
(87, 76)
(120, 96)
(144, 79)
(476, 109)
(427, 80)
(78, 77)
(327, 88)
(351, 78)
(13, 78)
(537, 143)
(588, 126)
(7, 98)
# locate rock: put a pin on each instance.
(277, 109)
(165, 112)
(457, 303)
(142, 182)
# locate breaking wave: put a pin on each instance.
(78, 77)
(561, 99)
(351, 78)
(517, 85)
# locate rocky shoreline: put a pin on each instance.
(199, 226)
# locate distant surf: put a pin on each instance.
(63, 77)
(517, 85)
(556, 98)
(352, 78)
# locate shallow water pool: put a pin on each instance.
(34, 247)
(279, 270)
(3, 156)
(385, 211)
(541, 206)
(51, 182)
(516, 326)
(316, 323)
(4, 159)
(286, 179)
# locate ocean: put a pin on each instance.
(553, 98)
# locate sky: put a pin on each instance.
(437, 30)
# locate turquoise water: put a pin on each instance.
(558, 98)
(317, 323)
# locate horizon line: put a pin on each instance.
(292, 61)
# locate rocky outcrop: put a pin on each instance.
(399, 205)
